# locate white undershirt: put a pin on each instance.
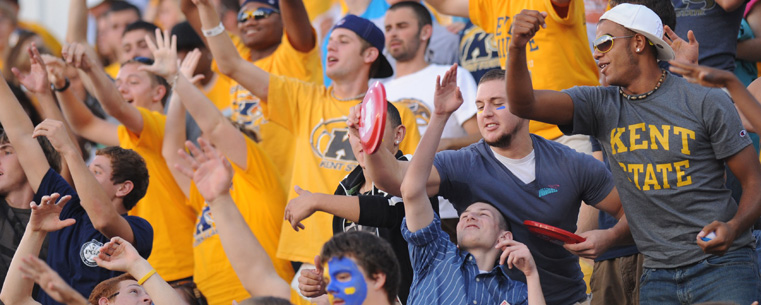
(523, 168)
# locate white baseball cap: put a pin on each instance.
(641, 20)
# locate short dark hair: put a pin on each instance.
(127, 165)
(393, 115)
(265, 301)
(493, 74)
(148, 27)
(51, 155)
(664, 9)
(422, 14)
(372, 253)
(119, 6)
(187, 38)
(107, 288)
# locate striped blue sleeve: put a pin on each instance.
(426, 244)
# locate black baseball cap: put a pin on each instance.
(367, 30)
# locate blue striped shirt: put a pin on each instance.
(445, 275)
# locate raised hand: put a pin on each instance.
(80, 56)
(516, 254)
(702, 75)
(56, 68)
(37, 270)
(56, 133)
(118, 255)
(686, 52)
(300, 208)
(311, 281)
(164, 55)
(36, 81)
(189, 64)
(447, 97)
(525, 25)
(209, 169)
(46, 215)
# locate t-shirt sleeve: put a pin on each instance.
(482, 14)
(584, 111)
(284, 99)
(51, 183)
(467, 85)
(426, 244)
(143, 232)
(723, 124)
(152, 136)
(379, 211)
(594, 179)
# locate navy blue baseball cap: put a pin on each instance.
(366, 30)
(272, 3)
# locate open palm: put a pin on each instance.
(447, 97)
(164, 55)
(36, 80)
(46, 215)
(210, 170)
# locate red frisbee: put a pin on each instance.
(553, 234)
(372, 121)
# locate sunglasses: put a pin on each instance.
(140, 59)
(604, 43)
(258, 14)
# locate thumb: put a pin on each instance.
(67, 222)
(317, 263)
(17, 73)
(300, 191)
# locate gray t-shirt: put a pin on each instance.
(667, 156)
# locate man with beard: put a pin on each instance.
(526, 178)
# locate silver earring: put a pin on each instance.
(637, 49)
(396, 142)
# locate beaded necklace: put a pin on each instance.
(644, 95)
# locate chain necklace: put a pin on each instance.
(644, 95)
(333, 94)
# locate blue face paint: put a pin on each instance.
(346, 281)
(501, 107)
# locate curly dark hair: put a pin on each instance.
(127, 165)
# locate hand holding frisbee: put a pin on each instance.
(553, 234)
(372, 120)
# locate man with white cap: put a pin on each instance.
(668, 141)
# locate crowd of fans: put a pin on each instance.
(208, 152)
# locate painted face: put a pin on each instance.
(497, 124)
(259, 33)
(130, 293)
(137, 87)
(347, 283)
(402, 34)
(134, 45)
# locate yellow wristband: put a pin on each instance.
(145, 277)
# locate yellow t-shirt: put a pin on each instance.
(219, 93)
(164, 205)
(260, 198)
(323, 153)
(296, 299)
(558, 57)
(50, 41)
(112, 69)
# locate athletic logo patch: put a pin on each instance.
(89, 251)
(550, 189)
(743, 133)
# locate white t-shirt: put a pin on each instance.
(523, 168)
(416, 91)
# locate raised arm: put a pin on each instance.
(296, 24)
(446, 100)
(731, 5)
(541, 105)
(213, 124)
(44, 218)
(76, 30)
(84, 58)
(212, 175)
(748, 49)
(37, 270)
(230, 63)
(104, 216)
(450, 7)
(120, 255)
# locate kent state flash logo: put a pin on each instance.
(205, 226)
(329, 140)
(421, 111)
(89, 251)
(706, 4)
(247, 109)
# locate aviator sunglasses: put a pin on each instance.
(604, 43)
(258, 14)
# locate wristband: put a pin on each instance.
(62, 89)
(146, 277)
(219, 29)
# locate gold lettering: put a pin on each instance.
(616, 145)
(634, 136)
(635, 170)
(664, 169)
(685, 133)
(680, 174)
(662, 137)
(650, 179)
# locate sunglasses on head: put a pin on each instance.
(141, 59)
(604, 43)
(258, 14)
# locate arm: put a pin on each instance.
(36, 269)
(120, 255)
(748, 49)
(541, 105)
(212, 175)
(471, 127)
(599, 241)
(307, 203)
(296, 24)
(44, 219)
(94, 200)
(230, 63)
(450, 7)
(213, 124)
(517, 254)
(191, 14)
(76, 30)
(84, 58)
(731, 5)
(447, 99)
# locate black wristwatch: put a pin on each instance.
(62, 89)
